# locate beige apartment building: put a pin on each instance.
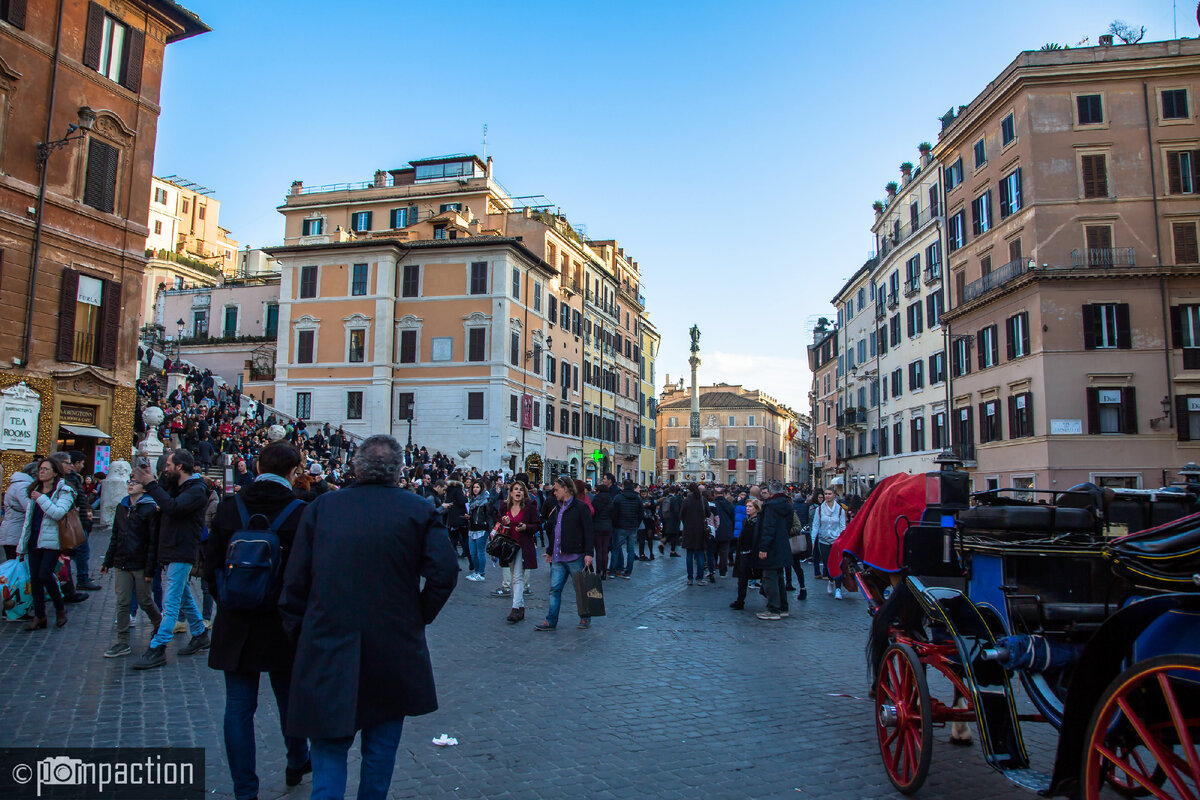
(1071, 247)
(908, 347)
(857, 405)
(502, 328)
(186, 245)
(750, 435)
(823, 397)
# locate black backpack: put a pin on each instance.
(251, 579)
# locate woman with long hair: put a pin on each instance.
(828, 524)
(694, 517)
(480, 517)
(51, 497)
(519, 520)
(747, 546)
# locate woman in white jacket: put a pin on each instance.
(51, 498)
(829, 520)
(16, 501)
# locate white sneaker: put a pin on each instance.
(133, 619)
(837, 595)
(829, 587)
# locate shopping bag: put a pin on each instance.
(589, 593)
(15, 589)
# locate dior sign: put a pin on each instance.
(20, 407)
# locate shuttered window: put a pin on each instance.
(1184, 236)
(989, 347)
(1185, 333)
(1095, 175)
(1107, 326)
(479, 277)
(1187, 417)
(476, 338)
(1016, 329)
(1111, 410)
(1010, 193)
(410, 285)
(1020, 415)
(408, 347)
(100, 184)
(13, 12)
(89, 321)
(1091, 109)
(308, 282)
(360, 221)
(989, 422)
(113, 49)
(304, 346)
(981, 213)
(1183, 171)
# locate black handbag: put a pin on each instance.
(589, 593)
(504, 548)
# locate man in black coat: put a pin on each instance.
(571, 542)
(626, 517)
(775, 549)
(246, 644)
(175, 544)
(353, 602)
(723, 539)
(128, 552)
(602, 525)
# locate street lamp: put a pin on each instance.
(87, 118)
(410, 418)
(180, 324)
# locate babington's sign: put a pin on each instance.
(20, 407)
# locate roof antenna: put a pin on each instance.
(485, 141)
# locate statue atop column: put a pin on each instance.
(695, 334)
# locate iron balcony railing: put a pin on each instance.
(911, 287)
(894, 235)
(966, 452)
(893, 301)
(933, 274)
(1103, 257)
(997, 277)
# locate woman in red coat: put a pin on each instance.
(519, 520)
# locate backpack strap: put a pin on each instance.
(283, 516)
(243, 512)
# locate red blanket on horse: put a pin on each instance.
(871, 535)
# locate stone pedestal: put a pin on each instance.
(175, 380)
(151, 447)
(113, 489)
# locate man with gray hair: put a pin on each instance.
(354, 604)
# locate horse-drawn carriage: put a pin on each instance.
(1089, 598)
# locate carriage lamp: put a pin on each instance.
(87, 118)
(1190, 472)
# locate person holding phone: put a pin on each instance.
(519, 520)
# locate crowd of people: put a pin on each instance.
(292, 608)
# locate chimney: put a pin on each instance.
(1106, 40)
(297, 186)
(380, 178)
(489, 167)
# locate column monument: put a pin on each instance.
(695, 465)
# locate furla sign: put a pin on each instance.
(20, 407)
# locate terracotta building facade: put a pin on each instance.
(75, 172)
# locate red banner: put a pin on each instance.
(733, 465)
(670, 463)
(751, 464)
(526, 411)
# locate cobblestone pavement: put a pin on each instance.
(671, 695)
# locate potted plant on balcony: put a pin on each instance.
(878, 206)
(892, 188)
(906, 170)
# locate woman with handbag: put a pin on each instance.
(51, 499)
(480, 517)
(519, 521)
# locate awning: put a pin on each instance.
(85, 430)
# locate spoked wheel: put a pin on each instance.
(903, 718)
(1144, 735)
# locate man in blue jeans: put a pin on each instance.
(175, 544)
(571, 543)
(627, 516)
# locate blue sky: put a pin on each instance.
(733, 149)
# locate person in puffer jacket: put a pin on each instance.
(128, 554)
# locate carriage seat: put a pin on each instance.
(1169, 552)
(1028, 519)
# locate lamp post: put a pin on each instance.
(75, 132)
(179, 325)
(410, 418)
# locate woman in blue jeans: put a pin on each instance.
(480, 518)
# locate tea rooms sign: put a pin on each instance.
(19, 410)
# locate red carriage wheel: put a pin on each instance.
(1144, 738)
(903, 718)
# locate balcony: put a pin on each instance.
(933, 274)
(895, 235)
(853, 417)
(997, 277)
(912, 287)
(880, 312)
(1103, 257)
(893, 302)
(628, 450)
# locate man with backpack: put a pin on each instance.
(247, 635)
